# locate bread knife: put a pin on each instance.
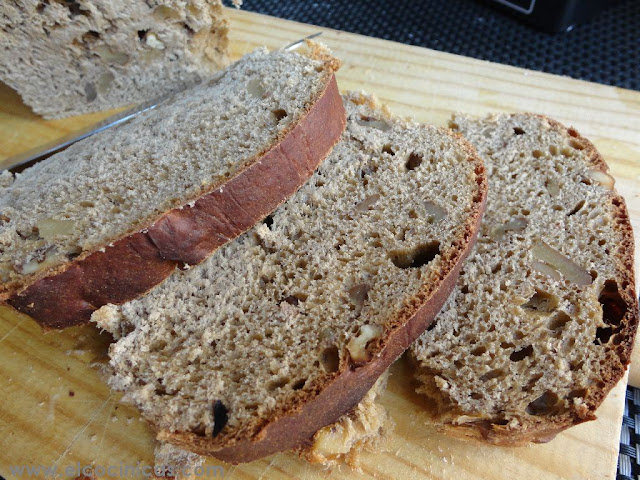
(24, 160)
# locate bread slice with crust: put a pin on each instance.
(541, 323)
(286, 329)
(113, 215)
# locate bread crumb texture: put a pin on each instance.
(66, 57)
(541, 323)
(260, 327)
(120, 181)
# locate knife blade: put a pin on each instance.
(20, 162)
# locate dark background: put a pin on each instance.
(604, 50)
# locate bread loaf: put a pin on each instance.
(114, 214)
(541, 323)
(285, 329)
(66, 57)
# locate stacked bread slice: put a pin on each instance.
(115, 214)
(541, 323)
(286, 329)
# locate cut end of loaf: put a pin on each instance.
(105, 57)
(541, 323)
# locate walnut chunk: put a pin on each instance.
(557, 261)
(603, 179)
(373, 123)
(357, 345)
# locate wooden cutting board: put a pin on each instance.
(55, 410)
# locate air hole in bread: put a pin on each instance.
(614, 307)
(268, 221)
(414, 161)
(577, 144)
(89, 37)
(537, 153)
(220, 417)
(417, 257)
(299, 384)
(74, 7)
(279, 113)
(330, 359)
(142, 34)
(518, 131)
(387, 149)
(546, 404)
(413, 214)
(566, 152)
(576, 365)
(541, 302)
(291, 300)
(559, 320)
(490, 375)
(576, 209)
(278, 383)
(521, 354)
(476, 396)
(479, 350)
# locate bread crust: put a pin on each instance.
(543, 430)
(188, 234)
(294, 425)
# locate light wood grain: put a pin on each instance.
(41, 423)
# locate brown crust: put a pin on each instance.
(187, 235)
(294, 425)
(542, 430)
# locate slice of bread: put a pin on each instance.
(541, 323)
(113, 215)
(285, 329)
(77, 56)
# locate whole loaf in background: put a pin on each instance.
(68, 57)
